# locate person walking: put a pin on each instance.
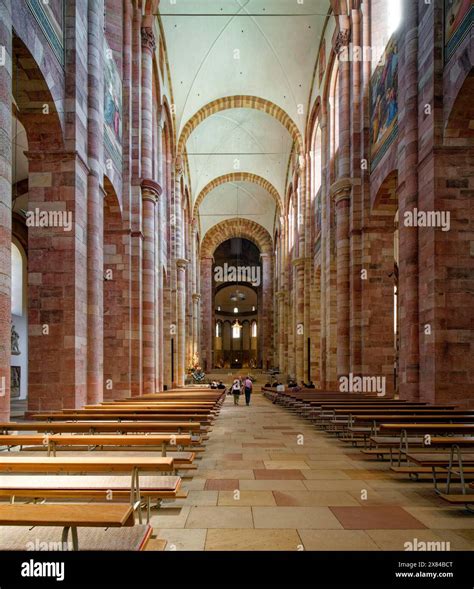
(248, 385)
(236, 390)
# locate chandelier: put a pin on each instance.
(237, 296)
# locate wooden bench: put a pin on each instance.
(119, 416)
(51, 441)
(407, 430)
(91, 464)
(69, 517)
(90, 487)
(443, 462)
(466, 499)
(92, 427)
(414, 422)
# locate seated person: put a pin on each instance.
(267, 384)
(275, 384)
(311, 385)
(221, 385)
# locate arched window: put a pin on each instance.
(254, 329)
(218, 329)
(394, 16)
(17, 281)
(291, 223)
(316, 162)
(334, 106)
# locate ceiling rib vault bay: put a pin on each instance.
(260, 49)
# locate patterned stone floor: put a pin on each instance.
(269, 480)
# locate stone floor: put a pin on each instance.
(269, 480)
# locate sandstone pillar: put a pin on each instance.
(181, 320)
(408, 200)
(150, 194)
(267, 310)
(340, 191)
(95, 203)
(5, 206)
(207, 312)
(299, 264)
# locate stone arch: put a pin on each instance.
(236, 227)
(312, 123)
(460, 121)
(115, 296)
(240, 101)
(34, 103)
(236, 177)
(386, 198)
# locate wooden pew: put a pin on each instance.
(443, 461)
(407, 430)
(363, 430)
(120, 416)
(52, 441)
(90, 487)
(92, 427)
(69, 517)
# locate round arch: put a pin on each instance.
(236, 227)
(241, 101)
(236, 177)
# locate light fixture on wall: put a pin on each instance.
(236, 327)
(236, 309)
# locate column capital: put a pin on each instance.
(342, 40)
(340, 190)
(151, 190)
(281, 294)
(181, 263)
(148, 39)
(299, 261)
(196, 297)
(179, 166)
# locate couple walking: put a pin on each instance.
(242, 386)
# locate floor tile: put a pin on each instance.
(238, 539)
(376, 518)
(220, 517)
(222, 484)
(313, 498)
(337, 540)
(319, 518)
(279, 474)
(246, 498)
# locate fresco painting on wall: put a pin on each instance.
(49, 14)
(458, 15)
(112, 107)
(384, 103)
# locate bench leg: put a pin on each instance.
(135, 498)
(455, 449)
(64, 538)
